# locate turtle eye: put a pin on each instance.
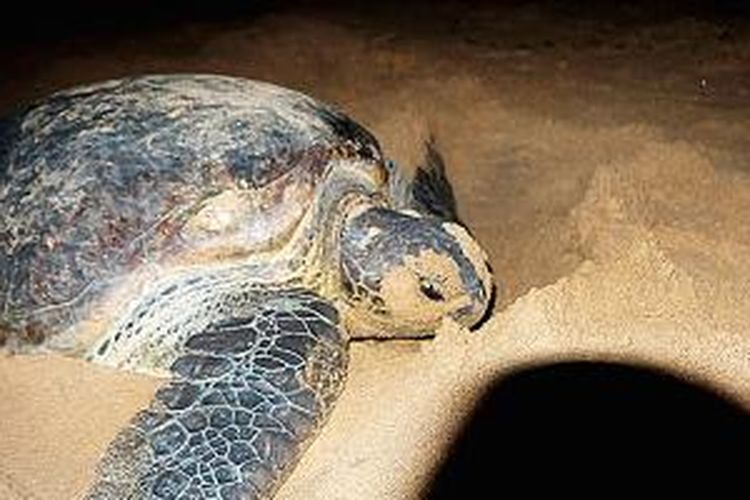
(430, 291)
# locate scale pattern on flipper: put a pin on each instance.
(431, 190)
(248, 393)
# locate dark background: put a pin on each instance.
(29, 21)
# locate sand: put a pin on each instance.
(604, 168)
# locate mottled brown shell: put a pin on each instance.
(98, 180)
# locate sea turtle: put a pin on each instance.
(232, 235)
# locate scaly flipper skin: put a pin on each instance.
(248, 394)
(431, 190)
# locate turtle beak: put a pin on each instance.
(477, 278)
(483, 309)
(480, 301)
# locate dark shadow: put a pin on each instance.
(56, 21)
(595, 429)
(28, 21)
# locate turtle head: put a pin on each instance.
(404, 273)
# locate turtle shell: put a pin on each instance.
(98, 180)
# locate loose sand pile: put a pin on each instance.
(618, 225)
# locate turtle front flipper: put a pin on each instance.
(429, 191)
(248, 394)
